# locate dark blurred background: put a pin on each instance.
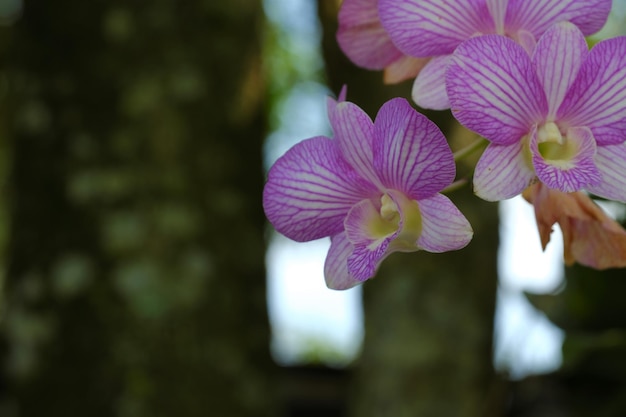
(132, 238)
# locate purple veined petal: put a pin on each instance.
(362, 37)
(310, 190)
(378, 229)
(597, 97)
(364, 225)
(404, 68)
(354, 133)
(429, 89)
(336, 265)
(444, 227)
(497, 9)
(410, 152)
(611, 161)
(424, 28)
(558, 57)
(494, 90)
(575, 171)
(363, 262)
(503, 171)
(537, 16)
(370, 235)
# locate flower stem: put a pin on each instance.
(454, 186)
(469, 149)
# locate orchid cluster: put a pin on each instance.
(518, 73)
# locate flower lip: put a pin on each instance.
(567, 166)
(394, 221)
(553, 145)
(410, 222)
(377, 228)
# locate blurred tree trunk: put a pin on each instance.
(135, 281)
(428, 317)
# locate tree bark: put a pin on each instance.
(135, 278)
(427, 349)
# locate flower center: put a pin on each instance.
(396, 222)
(553, 146)
(389, 210)
(404, 214)
(385, 222)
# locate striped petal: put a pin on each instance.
(611, 161)
(503, 171)
(336, 265)
(362, 37)
(597, 97)
(568, 167)
(444, 228)
(536, 16)
(429, 89)
(558, 57)
(410, 152)
(497, 9)
(494, 90)
(370, 235)
(354, 133)
(423, 28)
(310, 190)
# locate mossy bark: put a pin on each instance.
(135, 280)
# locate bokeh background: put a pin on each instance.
(134, 141)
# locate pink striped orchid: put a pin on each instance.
(374, 189)
(363, 39)
(558, 116)
(429, 30)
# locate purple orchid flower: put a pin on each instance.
(363, 39)
(434, 28)
(374, 189)
(558, 116)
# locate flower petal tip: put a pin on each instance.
(343, 93)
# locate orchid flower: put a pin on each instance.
(558, 117)
(374, 189)
(590, 237)
(434, 28)
(363, 39)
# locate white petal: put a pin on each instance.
(429, 89)
(502, 172)
(611, 161)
